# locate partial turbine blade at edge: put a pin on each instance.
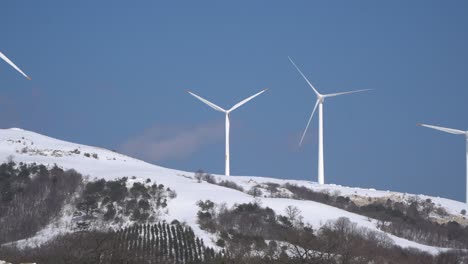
(303, 76)
(444, 129)
(336, 94)
(246, 100)
(210, 104)
(5, 58)
(308, 123)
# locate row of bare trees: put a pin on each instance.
(160, 242)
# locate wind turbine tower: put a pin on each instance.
(456, 132)
(5, 58)
(227, 113)
(319, 102)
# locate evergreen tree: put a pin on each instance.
(198, 250)
(182, 249)
(164, 247)
(169, 236)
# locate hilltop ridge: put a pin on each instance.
(98, 163)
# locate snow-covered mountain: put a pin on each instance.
(28, 147)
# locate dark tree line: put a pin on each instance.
(31, 196)
(250, 233)
(138, 244)
(408, 220)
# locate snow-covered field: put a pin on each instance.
(28, 147)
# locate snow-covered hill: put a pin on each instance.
(25, 146)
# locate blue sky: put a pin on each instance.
(114, 74)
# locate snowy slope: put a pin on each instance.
(26, 146)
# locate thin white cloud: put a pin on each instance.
(163, 142)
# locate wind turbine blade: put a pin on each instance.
(246, 100)
(336, 94)
(305, 78)
(308, 123)
(444, 129)
(210, 104)
(13, 65)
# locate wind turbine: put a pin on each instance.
(5, 58)
(227, 112)
(320, 99)
(456, 132)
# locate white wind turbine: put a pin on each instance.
(5, 58)
(456, 132)
(319, 103)
(227, 112)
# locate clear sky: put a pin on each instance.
(114, 74)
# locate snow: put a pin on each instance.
(26, 146)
